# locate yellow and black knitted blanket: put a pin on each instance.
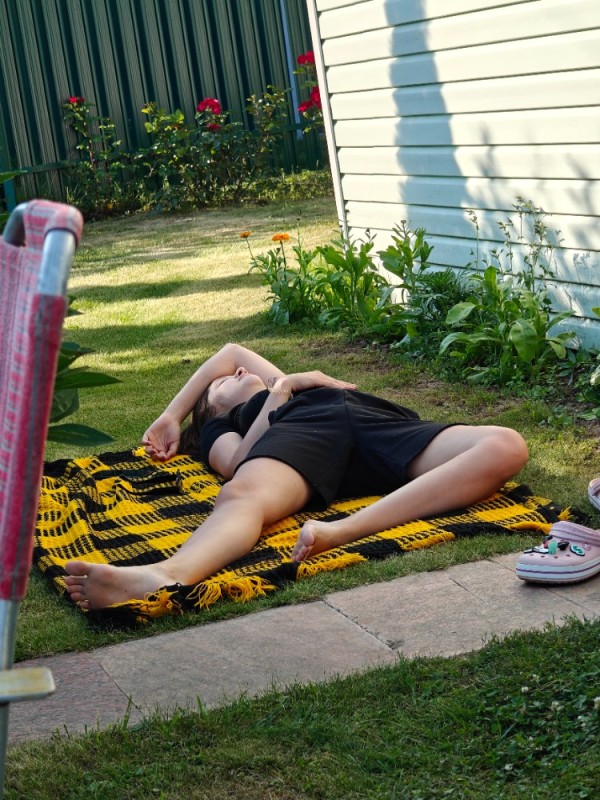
(124, 509)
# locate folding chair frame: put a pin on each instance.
(23, 684)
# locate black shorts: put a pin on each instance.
(346, 443)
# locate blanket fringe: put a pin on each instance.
(161, 603)
(240, 590)
(307, 569)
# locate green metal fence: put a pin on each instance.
(121, 54)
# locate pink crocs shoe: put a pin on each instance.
(569, 553)
(594, 492)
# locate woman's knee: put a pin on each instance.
(508, 451)
(269, 486)
(232, 491)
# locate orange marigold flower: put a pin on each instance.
(280, 237)
(245, 234)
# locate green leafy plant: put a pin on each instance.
(209, 161)
(353, 293)
(99, 180)
(340, 284)
(65, 400)
(215, 160)
(426, 294)
(269, 115)
(291, 289)
(334, 285)
(167, 163)
(505, 330)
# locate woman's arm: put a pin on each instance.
(162, 437)
(231, 449)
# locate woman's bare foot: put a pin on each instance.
(94, 586)
(314, 538)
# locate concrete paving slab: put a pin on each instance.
(453, 611)
(585, 594)
(86, 697)
(249, 655)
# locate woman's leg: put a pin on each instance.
(261, 492)
(462, 465)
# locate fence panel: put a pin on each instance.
(121, 54)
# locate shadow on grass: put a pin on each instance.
(108, 263)
(110, 339)
(105, 293)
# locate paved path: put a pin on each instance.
(433, 613)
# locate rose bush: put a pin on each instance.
(311, 109)
(99, 180)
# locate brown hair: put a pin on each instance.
(189, 442)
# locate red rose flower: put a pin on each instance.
(212, 126)
(76, 101)
(306, 58)
(210, 104)
(314, 101)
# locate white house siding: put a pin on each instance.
(436, 107)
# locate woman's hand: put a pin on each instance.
(162, 437)
(300, 381)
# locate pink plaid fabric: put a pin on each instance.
(30, 333)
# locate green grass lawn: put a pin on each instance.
(519, 720)
(160, 294)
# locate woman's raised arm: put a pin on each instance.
(161, 439)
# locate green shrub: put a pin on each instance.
(425, 294)
(504, 331)
(101, 180)
(350, 290)
(340, 285)
(214, 160)
(187, 165)
(335, 285)
(291, 186)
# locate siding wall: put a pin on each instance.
(435, 107)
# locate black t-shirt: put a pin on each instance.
(238, 420)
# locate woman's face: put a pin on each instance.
(230, 390)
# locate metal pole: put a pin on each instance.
(289, 57)
(9, 610)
